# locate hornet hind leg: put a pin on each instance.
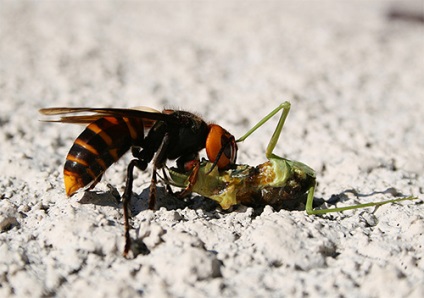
(126, 199)
(141, 162)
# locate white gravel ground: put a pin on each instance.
(354, 77)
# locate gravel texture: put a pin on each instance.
(354, 74)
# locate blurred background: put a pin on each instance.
(353, 70)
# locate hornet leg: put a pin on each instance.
(191, 179)
(166, 179)
(158, 163)
(126, 199)
(152, 192)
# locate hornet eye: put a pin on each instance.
(221, 146)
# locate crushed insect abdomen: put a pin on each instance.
(282, 183)
(279, 182)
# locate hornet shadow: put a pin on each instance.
(139, 202)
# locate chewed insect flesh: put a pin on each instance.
(279, 182)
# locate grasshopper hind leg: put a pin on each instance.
(285, 106)
(311, 211)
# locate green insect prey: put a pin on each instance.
(279, 182)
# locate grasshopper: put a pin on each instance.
(279, 182)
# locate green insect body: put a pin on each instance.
(279, 182)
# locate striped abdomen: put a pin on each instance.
(101, 144)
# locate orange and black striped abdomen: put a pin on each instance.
(101, 144)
